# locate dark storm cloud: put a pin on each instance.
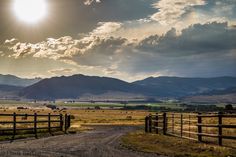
(70, 17)
(227, 8)
(200, 50)
(197, 39)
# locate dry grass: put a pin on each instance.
(173, 146)
(192, 127)
(82, 119)
(108, 117)
(29, 118)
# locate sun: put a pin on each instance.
(30, 11)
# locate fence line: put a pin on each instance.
(190, 127)
(49, 122)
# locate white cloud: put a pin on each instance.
(106, 28)
(1, 54)
(89, 2)
(170, 11)
(62, 71)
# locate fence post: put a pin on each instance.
(68, 124)
(14, 125)
(35, 125)
(173, 123)
(150, 123)
(49, 123)
(61, 122)
(220, 128)
(156, 123)
(65, 123)
(146, 124)
(164, 123)
(199, 121)
(189, 123)
(181, 125)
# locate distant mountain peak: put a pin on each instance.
(16, 81)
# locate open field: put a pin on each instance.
(87, 119)
(91, 116)
(83, 118)
(108, 105)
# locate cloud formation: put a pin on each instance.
(89, 2)
(196, 39)
(62, 71)
(203, 46)
(106, 28)
(170, 11)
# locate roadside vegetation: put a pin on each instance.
(174, 146)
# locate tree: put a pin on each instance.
(229, 107)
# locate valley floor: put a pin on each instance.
(104, 141)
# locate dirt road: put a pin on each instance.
(101, 142)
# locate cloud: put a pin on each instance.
(105, 28)
(62, 71)
(11, 41)
(89, 2)
(170, 11)
(95, 49)
(52, 48)
(204, 50)
(196, 39)
(199, 50)
(100, 51)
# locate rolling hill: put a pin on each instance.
(76, 86)
(7, 91)
(16, 81)
(231, 90)
(179, 87)
(215, 96)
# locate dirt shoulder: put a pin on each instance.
(103, 141)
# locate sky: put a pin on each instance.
(125, 39)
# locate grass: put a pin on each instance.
(108, 117)
(29, 134)
(173, 146)
(82, 120)
(119, 105)
(192, 126)
(85, 119)
(86, 105)
(26, 133)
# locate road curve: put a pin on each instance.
(101, 142)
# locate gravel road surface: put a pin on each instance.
(101, 142)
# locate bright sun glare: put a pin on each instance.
(30, 11)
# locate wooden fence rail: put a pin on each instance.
(191, 126)
(37, 122)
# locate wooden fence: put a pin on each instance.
(18, 124)
(193, 126)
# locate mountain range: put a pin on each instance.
(77, 86)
